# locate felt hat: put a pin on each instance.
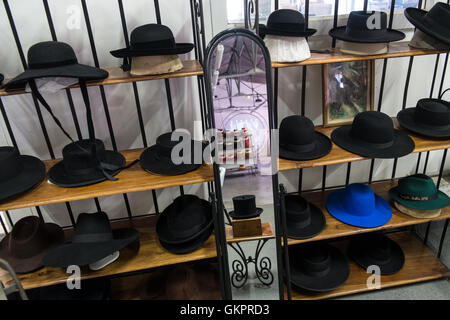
(419, 192)
(245, 207)
(85, 163)
(430, 117)
(93, 240)
(377, 250)
(157, 158)
(18, 173)
(362, 27)
(435, 23)
(318, 267)
(300, 141)
(357, 205)
(372, 135)
(28, 242)
(286, 22)
(304, 220)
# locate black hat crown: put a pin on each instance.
(438, 15)
(165, 144)
(152, 34)
(92, 227)
(315, 260)
(297, 134)
(378, 248)
(433, 112)
(186, 218)
(84, 156)
(286, 19)
(374, 128)
(298, 210)
(244, 205)
(10, 163)
(50, 54)
(358, 22)
(28, 238)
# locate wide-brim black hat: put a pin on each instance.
(358, 252)
(180, 48)
(407, 120)
(401, 146)
(33, 172)
(322, 148)
(336, 276)
(188, 246)
(417, 18)
(59, 176)
(89, 252)
(316, 225)
(264, 30)
(372, 36)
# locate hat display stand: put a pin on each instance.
(141, 66)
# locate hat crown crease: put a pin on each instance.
(373, 127)
(92, 227)
(27, 238)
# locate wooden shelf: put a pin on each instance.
(133, 179)
(267, 233)
(339, 155)
(150, 254)
(335, 228)
(117, 76)
(395, 50)
(420, 265)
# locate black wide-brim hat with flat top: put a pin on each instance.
(299, 140)
(245, 207)
(430, 117)
(357, 28)
(152, 40)
(372, 135)
(435, 23)
(318, 267)
(18, 173)
(287, 23)
(85, 163)
(92, 241)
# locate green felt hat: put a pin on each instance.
(419, 192)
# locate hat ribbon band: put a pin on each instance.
(376, 145)
(363, 33)
(52, 64)
(88, 238)
(419, 198)
(299, 147)
(102, 166)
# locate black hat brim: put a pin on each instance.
(180, 48)
(151, 162)
(33, 172)
(375, 36)
(82, 254)
(80, 71)
(336, 277)
(316, 226)
(406, 119)
(401, 146)
(416, 17)
(358, 252)
(56, 237)
(264, 30)
(58, 175)
(322, 148)
(255, 214)
(189, 246)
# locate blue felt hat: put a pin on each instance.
(358, 206)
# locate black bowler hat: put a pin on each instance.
(152, 40)
(377, 250)
(93, 240)
(28, 242)
(430, 117)
(85, 163)
(357, 29)
(245, 207)
(300, 141)
(286, 22)
(318, 267)
(304, 220)
(435, 23)
(372, 135)
(18, 173)
(185, 224)
(157, 158)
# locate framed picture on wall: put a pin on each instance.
(348, 89)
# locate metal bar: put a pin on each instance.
(282, 217)
(300, 180)
(8, 125)
(324, 177)
(443, 74)
(97, 205)
(365, 5)
(5, 230)
(441, 243)
(349, 169)
(335, 20)
(427, 232)
(275, 97)
(418, 162)
(426, 162)
(303, 101)
(9, 218)
(372, 164)
(441, 170)
(39, 212)
(436, 64)
(69, 210)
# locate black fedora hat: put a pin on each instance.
(286, 22)
(377, 250)
(430, 117)
(300, 141)
(304, 220)
(85, 163)
(318, 267)
(245, 207)
(152, 40)
(157, 158)
(357, 29)
(28, 242)
(18, 173)
(93, 240)
(435, 23)
(372, 135)
(190, 245)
